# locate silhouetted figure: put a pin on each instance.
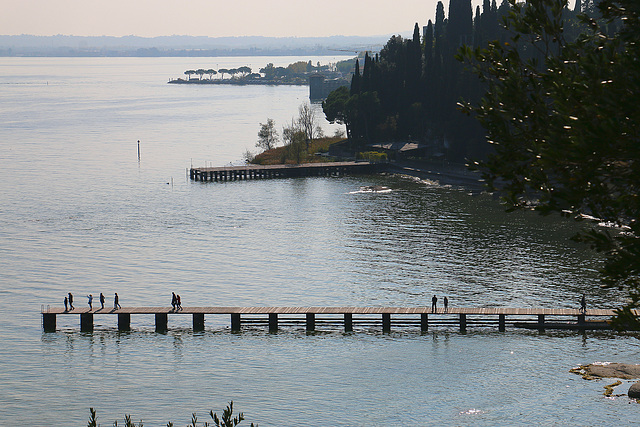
(174, 301)
(90, 298)
(70, 301)
(434, 302)
(583, 303)
(178, 302)
(446, 304)
(66, 301)
(116, 301)
(101, 301)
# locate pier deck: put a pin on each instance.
(249, 172)
(533, 318)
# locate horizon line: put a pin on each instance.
(211, 37)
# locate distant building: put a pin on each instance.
(320, 87)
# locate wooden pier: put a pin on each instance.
(350, 317)
(250, 172)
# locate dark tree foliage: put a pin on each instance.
(335, 108)
(563, 117)
(415, 84)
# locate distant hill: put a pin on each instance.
(61, 45)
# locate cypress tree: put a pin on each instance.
(453, 24)
(460, 24)
(366, 82)
(414, 62)
(438, 31)
(355, 80)
(466, 20)
(428, 43)
(477, 24)
(416, 34)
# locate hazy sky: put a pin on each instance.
(214, 18)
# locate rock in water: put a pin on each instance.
(634, 391)
(615, 370)
(610, 370)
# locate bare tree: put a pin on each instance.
(296, 149)
(288, 132)
(307, 122)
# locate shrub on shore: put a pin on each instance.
(372, 156)
(285, 154)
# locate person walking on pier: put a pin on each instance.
(70, 301)
(66, 302)
(434, 301)
(101, 301)
(116, 301)
(583, 304)
(90, 297)
(446, 304)
(174, 301)
(178, 303)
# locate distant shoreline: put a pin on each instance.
(240, 82)
(184, 46)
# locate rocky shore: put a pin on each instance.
(445, 173)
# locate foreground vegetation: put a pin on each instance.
(225, 420)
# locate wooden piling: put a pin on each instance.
(161, 322)
(311, 322)
(424, 322)
(198, 322)
(541, 322)
(49, 322)
(386, 322)
(124, 322)
(463, 322)
(502, 322)
(86, 322)
(348, 322)
(235, 322)
(273, 322)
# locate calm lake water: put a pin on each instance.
(80, 214)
